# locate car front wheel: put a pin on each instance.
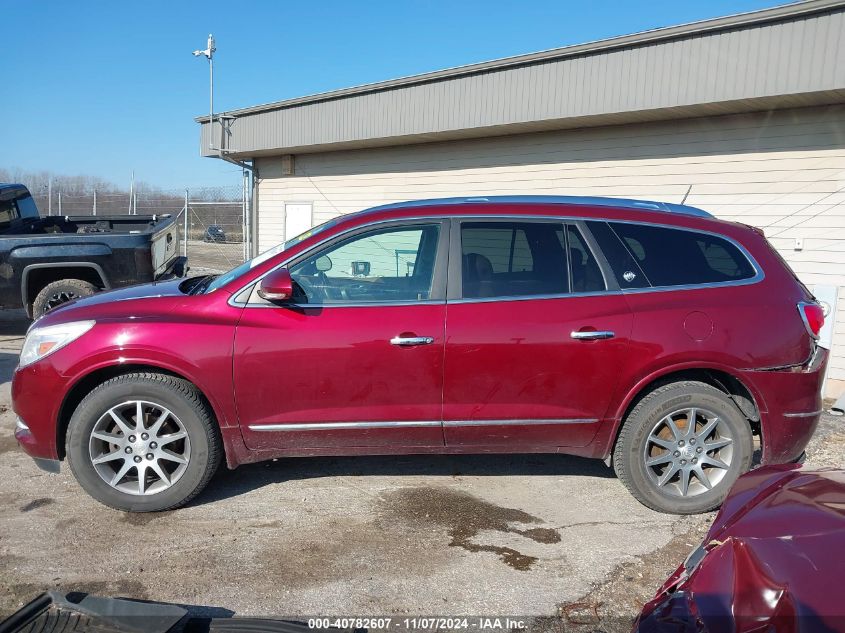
(143, 442)
(682, 447)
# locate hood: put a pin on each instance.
(141, 301)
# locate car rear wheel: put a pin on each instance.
(682, 447)
(58, 292)
(143, 442)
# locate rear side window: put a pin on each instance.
(625, 268)
(512, 259)
(676, 257)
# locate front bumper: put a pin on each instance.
(790, 404)
(25, 439)
(37, 393)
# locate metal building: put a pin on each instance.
(744, 115)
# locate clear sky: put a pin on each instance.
(102, 88)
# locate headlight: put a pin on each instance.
(42, 341)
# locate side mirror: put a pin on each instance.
(277, 286)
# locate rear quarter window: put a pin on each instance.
(677, 257)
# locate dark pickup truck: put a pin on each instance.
(46, 261)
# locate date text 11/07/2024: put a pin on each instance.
(420, 623)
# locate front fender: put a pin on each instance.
(222, 402)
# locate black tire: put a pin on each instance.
(184, 400)
(630, 452)
(54, 294)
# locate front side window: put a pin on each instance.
(382, 266)
(513, 259)
(677, 257)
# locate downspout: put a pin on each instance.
(251, 168)
(253, 186)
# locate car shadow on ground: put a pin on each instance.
(247, 478)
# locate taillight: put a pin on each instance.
(813, 316)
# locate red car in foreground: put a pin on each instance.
(644, 333)
(772, 560)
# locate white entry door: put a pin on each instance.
(297, 219)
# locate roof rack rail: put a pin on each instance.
(619, 203)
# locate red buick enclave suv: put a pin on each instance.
(646, 334)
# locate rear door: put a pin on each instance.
(535, 336)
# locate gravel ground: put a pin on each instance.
(437, 535)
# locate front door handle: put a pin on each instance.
(592, 335)
(410, 341)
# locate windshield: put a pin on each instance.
(238, 271)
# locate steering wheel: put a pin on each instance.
(330, 292)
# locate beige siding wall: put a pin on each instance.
(782, 171)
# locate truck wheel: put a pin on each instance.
(58, 292)
(143, 442)
(682, 448)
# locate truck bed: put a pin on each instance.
(90, 224)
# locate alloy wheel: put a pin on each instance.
(58, 298)
(688, 452)
(139, 447)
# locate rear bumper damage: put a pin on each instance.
(790, 405)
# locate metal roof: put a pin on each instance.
(595, 201)
(786, 56)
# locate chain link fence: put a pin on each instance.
(215, 228)
(212, 219)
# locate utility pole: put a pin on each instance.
(208, 53)
(185, 222)
(131, 192)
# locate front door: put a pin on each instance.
(534, 338)
(357, 359)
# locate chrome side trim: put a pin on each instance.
(629, 291)
(563, 295)
(334, 426)
(323, 306)
(456, 423)
(715, 284)
(807, 414)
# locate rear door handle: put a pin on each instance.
(592, 335)
(410, 341)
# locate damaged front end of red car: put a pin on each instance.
(771, 561)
